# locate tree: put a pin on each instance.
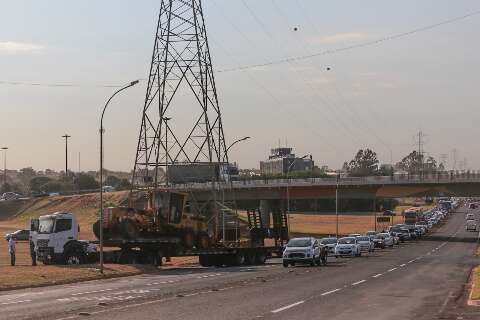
(124, 184)
(86, 182)
(37, 183)
(112, 181)
(364, 164)
(411, 163)
(25, 175)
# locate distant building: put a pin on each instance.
(281, 159)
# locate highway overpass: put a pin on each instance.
(460, 185)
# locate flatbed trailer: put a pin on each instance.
(153, 250)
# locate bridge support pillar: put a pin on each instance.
(265, 209)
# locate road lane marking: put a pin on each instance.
(377, 275)
(358, 282)
(15, 302)
(90, 292)
(330, 292)
(403, 265)
(288, 307)
(411, 261)
(393, 269)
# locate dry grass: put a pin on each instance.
(326, 224)
(476, 284)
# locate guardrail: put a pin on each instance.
(371, 180)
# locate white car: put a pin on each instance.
(347, 246)
(302, 250)
(365, 243)
(471, 225)
(330, 244)
(470, 216)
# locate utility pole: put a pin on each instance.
(5, 165)
(66, 137)
(454, 155)
(421, 136)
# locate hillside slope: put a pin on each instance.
(85, 207)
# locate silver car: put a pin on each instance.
(365, 243)
(347, 246)
(330, 244)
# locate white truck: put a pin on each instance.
(56, 239)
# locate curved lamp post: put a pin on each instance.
(288, 189)
(131, 84)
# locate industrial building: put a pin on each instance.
(282, 161)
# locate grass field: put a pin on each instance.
(476, 284)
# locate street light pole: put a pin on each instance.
(101, 168)
(66, 136)
(4, 165)
(234, 143)
(288, 189)
(336, 207)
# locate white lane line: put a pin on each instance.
(330, 292)
(403, 265)
(15, 302)
(393, 269)
(358, 282)
(377, 275)
(90, 292)
(288, 307)
(411, 261)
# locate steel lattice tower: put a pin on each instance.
(181, 62)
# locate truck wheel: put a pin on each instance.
(260, 257)
(285, 264)
(203, 240)
(74, 258)
(129, 229)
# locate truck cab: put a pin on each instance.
(56, 240)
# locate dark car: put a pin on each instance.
(21, 235)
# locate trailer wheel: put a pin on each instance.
(205, 260)
(250, 258)
(260, 257)
(238, 259)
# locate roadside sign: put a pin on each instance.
(383, 219)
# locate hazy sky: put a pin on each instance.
(377, 96)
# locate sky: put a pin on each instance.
(377, 96)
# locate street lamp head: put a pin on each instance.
(133, 83)
(305, 156)
(246, 138)
(5, 148)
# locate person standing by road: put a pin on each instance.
(12, 248)
(33, 253)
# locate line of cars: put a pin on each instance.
(310, 250)
(471, 221)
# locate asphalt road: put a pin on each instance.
(417, 280)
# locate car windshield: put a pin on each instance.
(46, 225)
(328, 241)
(346, 241)
(385, 235)
(363, 238)
(379, 236)
(371, 233)
(299, 243)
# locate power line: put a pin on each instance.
(355, 46)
